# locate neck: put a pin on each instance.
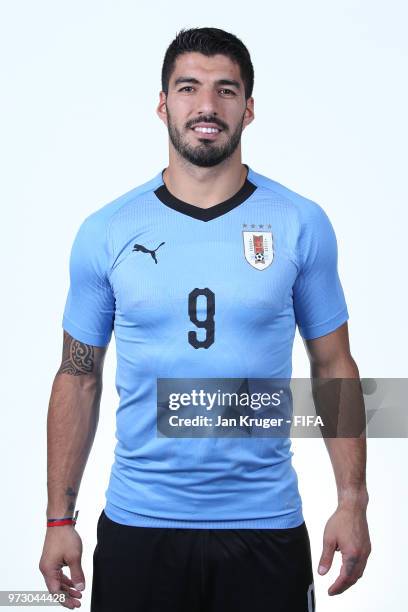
(204, 187)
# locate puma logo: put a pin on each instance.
(143, 249)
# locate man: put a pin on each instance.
(203, 273)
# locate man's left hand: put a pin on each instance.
(346, 531)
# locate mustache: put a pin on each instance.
(215, 120)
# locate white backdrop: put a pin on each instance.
(78, 128)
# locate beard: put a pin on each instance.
(207, 153)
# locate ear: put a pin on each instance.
(249, 114)
(161, 109)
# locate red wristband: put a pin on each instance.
(66, 520)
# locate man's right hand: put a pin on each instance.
(63, 547)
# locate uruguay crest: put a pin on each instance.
(258, 249)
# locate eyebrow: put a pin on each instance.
(186, 79)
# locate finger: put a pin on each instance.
(71, 591)
(66, 580)
(326, 559)
(54, 589)
(341, 584)
(77, 575)
(69, 602)
(68, 584)
(63, 587)
(351, 570)
(56, 580)
(52, 579)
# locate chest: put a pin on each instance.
(166, 271)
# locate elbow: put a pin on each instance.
(337, 366)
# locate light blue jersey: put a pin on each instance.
(192, 292)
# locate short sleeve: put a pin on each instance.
(318, 297)
(90, 305)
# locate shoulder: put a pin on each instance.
(92, 246)
(314, 234)
(307, 211)
(93, 235)
(97, 223)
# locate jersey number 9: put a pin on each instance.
(207, 323)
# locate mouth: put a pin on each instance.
(207, 131)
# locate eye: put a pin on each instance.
(186, 87)
(228, 91)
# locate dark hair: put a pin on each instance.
(209, 41)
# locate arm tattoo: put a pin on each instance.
(71, 499)
(77, 358)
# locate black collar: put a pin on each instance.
(205, 214)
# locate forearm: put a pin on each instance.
(71, 425)
(348, 458)
(348, 455)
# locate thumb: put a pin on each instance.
(326, 559)
(77, 575)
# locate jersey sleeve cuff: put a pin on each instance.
(85, 336)
(322, 329)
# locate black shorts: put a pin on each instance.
(162, 569)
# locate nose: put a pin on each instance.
(207, 102)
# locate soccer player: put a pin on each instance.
(203, 273)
